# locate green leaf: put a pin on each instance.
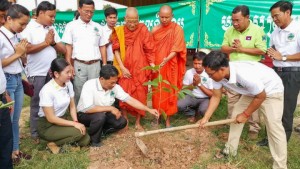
(163, 113)
(181, 95)
(185, 87)
(188, 92)
(155, 68)
(155, 80)
(150, 83)
(166, 89)
(166, 82)
(174, 87)
(2, 106)
(160, 78)
(147, 68)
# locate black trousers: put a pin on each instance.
(6, 138)
(101, 122)
(291, 83)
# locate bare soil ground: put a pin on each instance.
(181, 149)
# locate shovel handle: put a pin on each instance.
(214, 123)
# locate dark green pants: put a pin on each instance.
(61, 134)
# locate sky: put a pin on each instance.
(63, 5)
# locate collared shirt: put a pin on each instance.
(39, 63)
(7, 50)
(85, 39)
(53, 95)
(106, 35)
(93, 94)
(287, 42)
(252, 37)
(205, 81)
(251, 78)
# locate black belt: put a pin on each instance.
(202, 98)
(287, 69)
(18, 74)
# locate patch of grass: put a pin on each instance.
(26, 102)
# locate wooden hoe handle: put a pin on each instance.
(214, 123)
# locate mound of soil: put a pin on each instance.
(179, 149)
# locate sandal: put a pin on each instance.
(16, 160)
(53, 147)
(24, 156)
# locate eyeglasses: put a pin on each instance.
(211, 74)
(88, 12)
(276, 16)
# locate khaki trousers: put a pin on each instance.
(232, 98)
(272, 109)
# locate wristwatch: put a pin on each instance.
(199, 84)
(284, 58)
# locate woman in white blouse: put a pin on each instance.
(13, 48)
(55, 97)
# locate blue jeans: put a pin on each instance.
(14, 88)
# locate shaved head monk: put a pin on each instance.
(171, 56)
(133, 47)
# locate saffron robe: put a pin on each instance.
(169, 39)
(137, 51)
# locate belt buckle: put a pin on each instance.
(279, 69)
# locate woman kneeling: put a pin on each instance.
(55, 98)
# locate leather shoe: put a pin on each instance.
(263, 142)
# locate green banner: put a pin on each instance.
(216, 18)
(186, 14)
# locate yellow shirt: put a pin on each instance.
(252, 37)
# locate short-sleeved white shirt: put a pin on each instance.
(106, 35)
(287, 42)
(93, 94)
(205, 81)
(85, 39)
(39, 63)
(53, 95)
(7, 50)
(251, 78)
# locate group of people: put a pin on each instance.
(253, 87)
(103, 65)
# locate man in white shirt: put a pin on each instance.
(201, 85)
(95, 105)
(44, 43)
(6, 135)
(111, 18)
(260, 91)
(285, 51)
(85, 46)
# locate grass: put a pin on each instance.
(249, 155)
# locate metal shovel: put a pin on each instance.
(144, 148)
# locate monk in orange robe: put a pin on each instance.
(171, 56)
(133, 47)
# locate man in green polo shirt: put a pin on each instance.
(244, 41)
